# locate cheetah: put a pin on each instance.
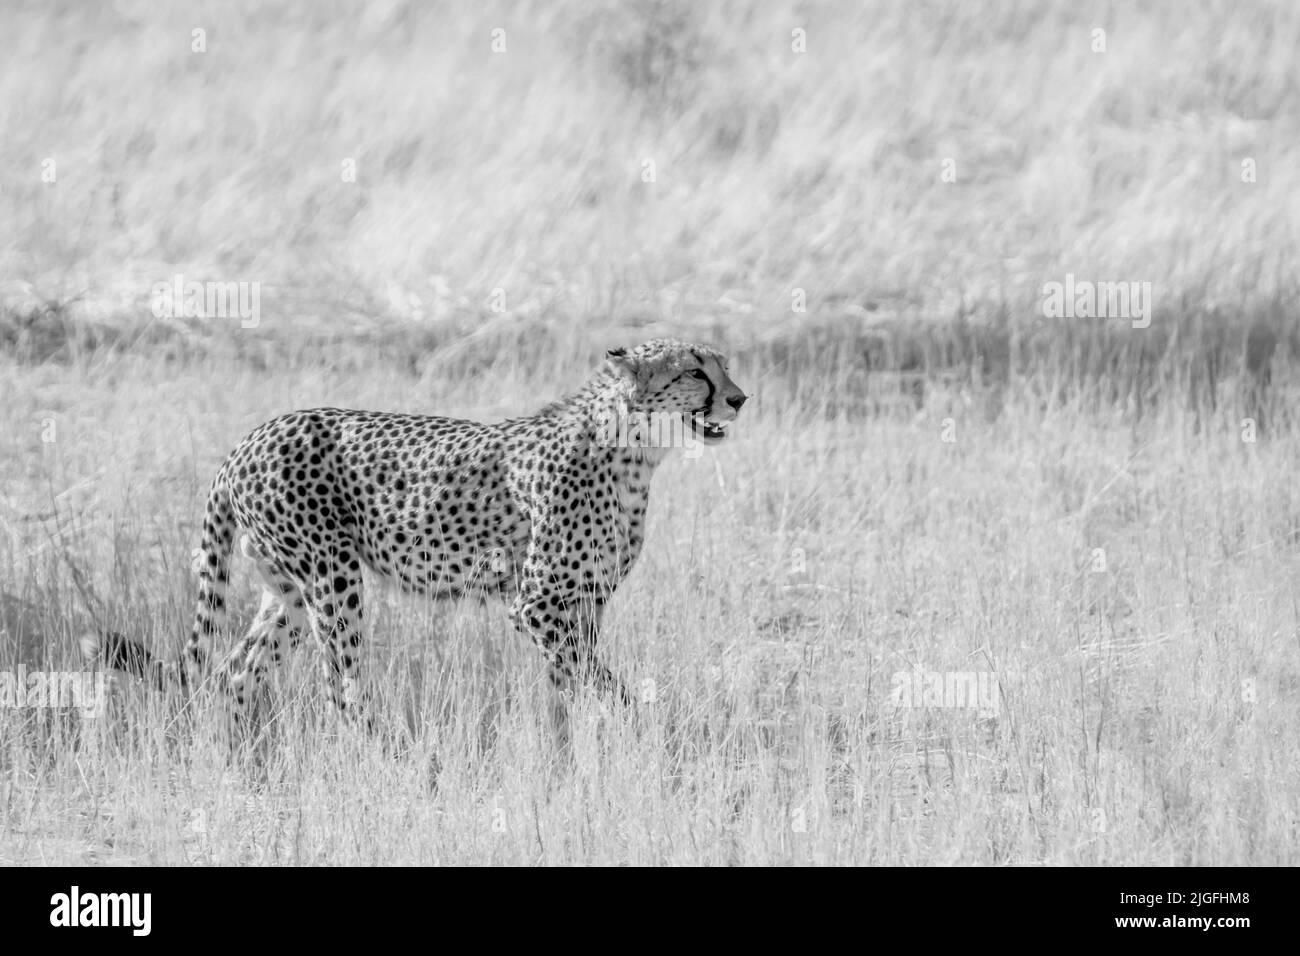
(547, 512)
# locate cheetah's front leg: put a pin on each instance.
(566, 630)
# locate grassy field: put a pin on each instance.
(1095, 525)
(1131, 586)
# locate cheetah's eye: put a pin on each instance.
(698, 373)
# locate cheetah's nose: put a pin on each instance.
(735, 401)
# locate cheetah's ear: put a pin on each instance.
(623, 362)
(628, 370)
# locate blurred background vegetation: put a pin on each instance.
(499, 199)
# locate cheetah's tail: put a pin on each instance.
(212, 564)
(121, 653)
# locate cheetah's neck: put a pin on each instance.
(596, 410)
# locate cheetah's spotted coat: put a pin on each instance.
(547, 511)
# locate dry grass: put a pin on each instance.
(522, 171)
(1146, 710)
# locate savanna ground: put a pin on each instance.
(930, 477)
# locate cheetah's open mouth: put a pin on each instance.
(708, 432)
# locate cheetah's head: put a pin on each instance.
(675, 381)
